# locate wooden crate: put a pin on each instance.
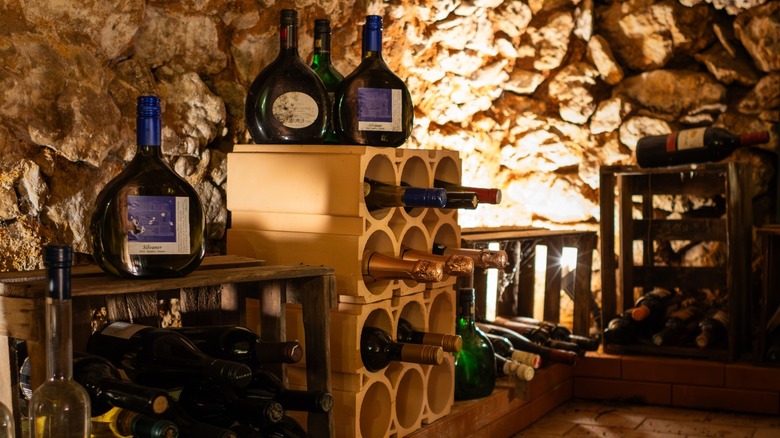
(769, 302)
(516, 296)
(623, 280)
(223, 290)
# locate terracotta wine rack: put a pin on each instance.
(304, 204)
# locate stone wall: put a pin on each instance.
(536, 95)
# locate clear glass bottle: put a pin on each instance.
(322, 65)
(475, 364)
(373, 106)
(287, 102)
(60, 406)
(7, 428)
(148, 222)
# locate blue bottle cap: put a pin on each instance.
(373, 22)
(149, 106)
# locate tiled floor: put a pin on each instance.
(579, 418)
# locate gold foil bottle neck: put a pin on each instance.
(428, 271)
(459, 266)
(493, 258)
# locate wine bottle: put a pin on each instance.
(239, 344)
(107, 390)
(373, 106)
(324, 68)
(652, 305)
(407, 333)
(377, 350)
(60, 406)
(509, 367)
(194, 428)
(379, 195)
(520, 342)
(502, 346)
(560, 332)
(265, 384)
(695, 145)
(127, 423)
(484, 195)
(148, 222)
(537, 334)
(287, 428)
(679, 326)
(714, 330)
(773, 347)
(483, 258)
(162, 358)
(221, 406)
(475, 364)
(378, 267)
(454, 265)
(287, 102)
(462, 200)
(621, 330)
(7, 427)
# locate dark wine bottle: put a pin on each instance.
(475, 364)
(652, 305)
(407, 333)
(713, 330)
(696, 145)
(265, 384)
(322, 65)
(194, 428)
(239, 344)
(484, 195)
(483, 258)
(287, 428)
(461, 200)
(537, 334)
(679, 326)
(373, 106)
(148, 222)
(222, 406)
(509, 367)
(377, 350)
(378, 267)
(162, 358)
(128, 423)
(502, 346)
(621, 330)
(107, 389)
(560, 332)
(520, 342)
(379, 195)
(455, 265)
(773, 347)
(287, 102)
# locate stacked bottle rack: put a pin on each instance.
(304, 204)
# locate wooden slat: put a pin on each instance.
(674, 277)
(681, 229)
(22, 318)
(609, 267)
(552, 280)
(583, 295)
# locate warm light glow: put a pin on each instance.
(540, 270)
(491, 285)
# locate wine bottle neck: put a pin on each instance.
(372, 38)
(466, 308)
(288, 38)
(59, 345)
(753, 138)
(148, 131)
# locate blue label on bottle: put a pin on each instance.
(158, 225)
(379, 109)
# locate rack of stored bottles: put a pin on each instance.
(305, 204)
(633, 270)
(224, 290)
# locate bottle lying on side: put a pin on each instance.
(379, 267)
(221, 406)
(407, 333)
(520, 342)
(377, 350)
(483, 258)
(557, 332)
(503, 347)
(239, 344)
(455, 265)
(536, 334)
(130, 424)
(509, 367)
(266, 384)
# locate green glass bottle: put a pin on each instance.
(475, 365)
(148, 222)
(322, 65)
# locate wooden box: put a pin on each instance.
(516, 294)
(626, 274)
(220, 291)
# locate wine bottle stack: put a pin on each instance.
(376, 247)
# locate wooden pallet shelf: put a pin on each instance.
(216, 293)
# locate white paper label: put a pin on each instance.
(123, 330)
(295, 110)
(690, 139)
